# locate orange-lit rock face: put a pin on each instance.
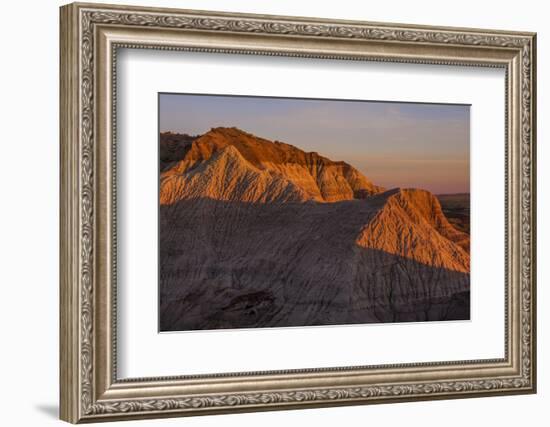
(290, 172)
(255, 233)
(411, 224)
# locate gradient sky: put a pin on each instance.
(393, 144)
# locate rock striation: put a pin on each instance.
(255, 233)
(320, 178)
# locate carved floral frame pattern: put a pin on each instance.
(89, 16)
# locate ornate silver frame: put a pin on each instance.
(90, 36)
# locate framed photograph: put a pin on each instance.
(266, 212)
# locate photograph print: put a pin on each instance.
(280, 212)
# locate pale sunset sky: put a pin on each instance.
(407, 145)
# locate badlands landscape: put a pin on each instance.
(258, 233)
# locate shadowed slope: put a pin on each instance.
(172, 148)
(255, 233)
(233, 264)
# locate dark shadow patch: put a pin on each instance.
(244, 265)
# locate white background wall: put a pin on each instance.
(29, 170)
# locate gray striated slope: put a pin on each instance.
(255, 233)
(234, 264)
